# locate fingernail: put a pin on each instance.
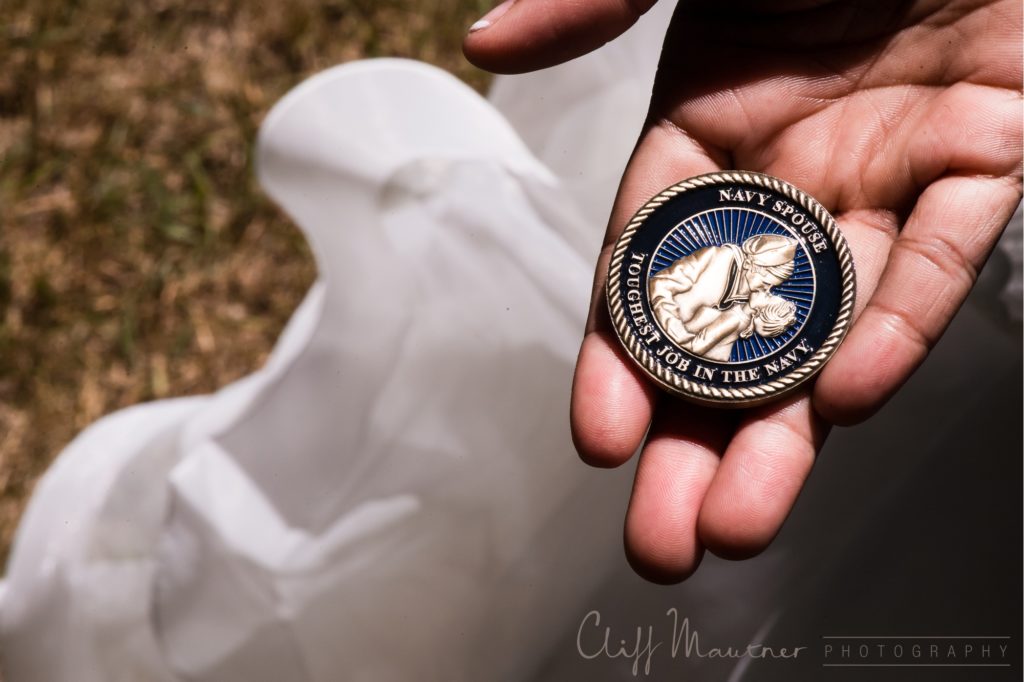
(491, 18)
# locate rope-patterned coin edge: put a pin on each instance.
(701, 393)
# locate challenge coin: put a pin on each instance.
(731, 288)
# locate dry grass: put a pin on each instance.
(138, 258)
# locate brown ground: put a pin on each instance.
(138, 257)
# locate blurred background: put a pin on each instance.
(138, 257)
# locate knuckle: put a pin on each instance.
(941, 254)
(905, 325)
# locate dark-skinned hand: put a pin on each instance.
(902, 118)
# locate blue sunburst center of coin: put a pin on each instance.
(721, 226)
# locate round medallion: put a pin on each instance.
(731, 288)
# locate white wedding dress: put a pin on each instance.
(395, 496)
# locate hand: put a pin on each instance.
(902, 118)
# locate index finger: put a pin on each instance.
(932, 266)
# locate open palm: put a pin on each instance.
(902, 118)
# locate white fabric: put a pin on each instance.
(395, 495)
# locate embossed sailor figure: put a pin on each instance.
(708, 299)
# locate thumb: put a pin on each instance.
(526, 35)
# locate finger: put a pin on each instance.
(676, 467)
(931, 268)
(869, 234)
(612, 401)
(525, 35)
(760, 476)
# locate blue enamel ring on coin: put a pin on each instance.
(731, 288)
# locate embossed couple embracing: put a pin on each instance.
(707, 300)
